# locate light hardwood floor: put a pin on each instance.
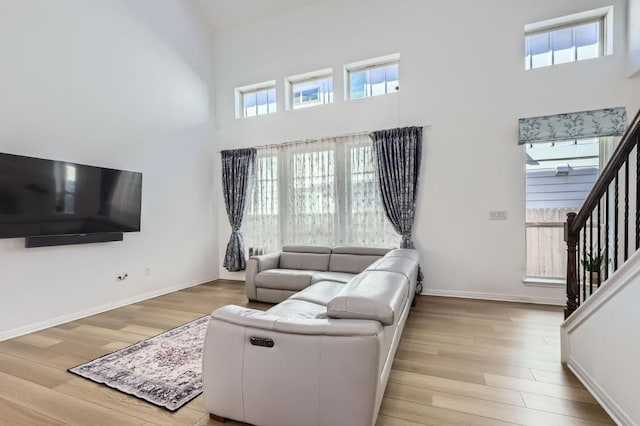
(460, 362)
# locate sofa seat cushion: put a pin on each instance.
(284, 279)
(320, 293)
(376, 295)
(292, 308)
(341, 277)
(273, 295)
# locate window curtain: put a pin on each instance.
(398, 153)
(237, 173)
(263, 215)
(575, 125)
(310, 194)
(317, 192)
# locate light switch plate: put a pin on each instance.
(498, 215)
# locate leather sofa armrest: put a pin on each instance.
(371, 295)
(267, 261)
(255, 265)
(253, 318)
(248, 352)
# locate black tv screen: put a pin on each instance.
(44, 197)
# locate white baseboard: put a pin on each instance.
(613, 409)
(482, 296)
(32, 328)
(494, 296)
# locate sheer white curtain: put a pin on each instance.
(311, 203)
(317, 192)
(262, 222)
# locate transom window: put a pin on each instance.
(256, 100)
(568, 39)
(311, 92)
(259, 102)
(372, 78)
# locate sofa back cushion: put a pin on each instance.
(363, 251)
(354, 259)
(408, 253)
(351, 263)
(402, 265)
(374, 295)
(314, 258)
(307, 249)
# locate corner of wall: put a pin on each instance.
(633, 37)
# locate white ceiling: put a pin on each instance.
(222, 15)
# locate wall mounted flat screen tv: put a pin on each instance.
(43, 197)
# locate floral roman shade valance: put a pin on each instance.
(574, 125)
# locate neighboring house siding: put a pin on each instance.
(545, 190)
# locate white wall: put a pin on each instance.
(634, 37)
(121, 84)
(462, 76)
(600, 343)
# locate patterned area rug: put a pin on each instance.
(165, 370)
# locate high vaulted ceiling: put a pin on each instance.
(222, 15)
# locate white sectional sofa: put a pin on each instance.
(276, 276)
(320, 357)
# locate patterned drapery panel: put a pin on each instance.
(398, 154)
(575, 125)
(237, 173)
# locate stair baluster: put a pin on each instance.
(593, 254)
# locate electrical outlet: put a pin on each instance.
(121, 276)
(498, 215)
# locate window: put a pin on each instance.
(312, 199)
(568, 39)
(256, 100)
(318, 192)
(259, 102)
(310, 89)
(559, 177)
(374, 77)
(364, 201)
(263, 210)
(266, 187)
(313, 177)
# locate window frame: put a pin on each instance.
(340, 175)
(370, 64)
(270, 160)
(606, 145)
(602, 15)
(241, 92)
(320, 75)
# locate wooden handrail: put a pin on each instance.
(608, 174)
(577, 222)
